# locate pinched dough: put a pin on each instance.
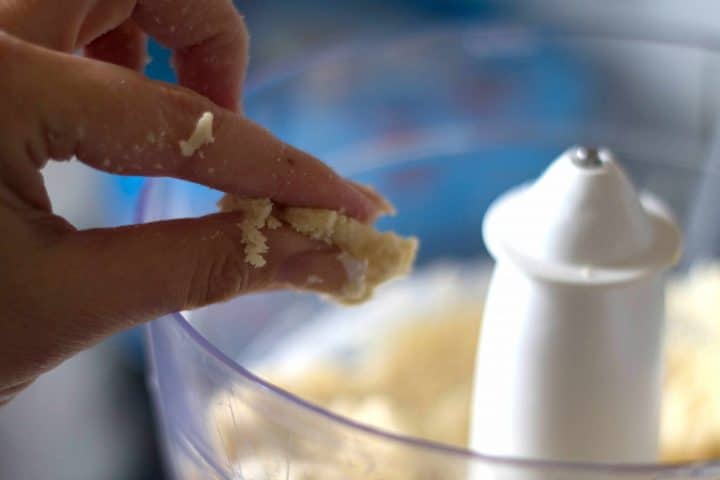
(370, 257)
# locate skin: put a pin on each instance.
(62, 289)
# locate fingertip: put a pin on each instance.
(379, 205)
(210, 44)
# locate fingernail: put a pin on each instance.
(382, 205)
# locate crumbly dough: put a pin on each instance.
(369, 256)
(202, 135)
(419, 382)
(273, 223)
(691, 398)
(257, 215)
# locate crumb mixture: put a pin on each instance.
(418, 382)
(369, 256)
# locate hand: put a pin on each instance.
(62, 290)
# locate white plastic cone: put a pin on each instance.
(569, 361)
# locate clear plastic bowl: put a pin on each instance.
(441, 122)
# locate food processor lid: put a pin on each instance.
(583, 222)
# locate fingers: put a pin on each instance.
(210, 43)
(125, 46)
(209, 36)
(121, 122)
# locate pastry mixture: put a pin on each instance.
(371, 257)
(417, 380)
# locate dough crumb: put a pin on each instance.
(273, 223)
(369, 256)
(314, 223)
(256, 212)
(201, 136)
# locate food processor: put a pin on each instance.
(443, 122)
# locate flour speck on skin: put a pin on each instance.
(202, 135)
(314, 280)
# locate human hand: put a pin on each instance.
(63, 290)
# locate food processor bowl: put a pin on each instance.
(441, 122)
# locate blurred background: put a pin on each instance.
(91, 418)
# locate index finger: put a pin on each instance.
(119, 121)
(210, 42)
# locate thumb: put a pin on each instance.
(97, 282)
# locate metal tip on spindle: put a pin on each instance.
(589, 157)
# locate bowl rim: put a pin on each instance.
(695, 39)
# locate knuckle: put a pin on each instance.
(222, 275)
(56, 142)
(231, 33)
(29, 117)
